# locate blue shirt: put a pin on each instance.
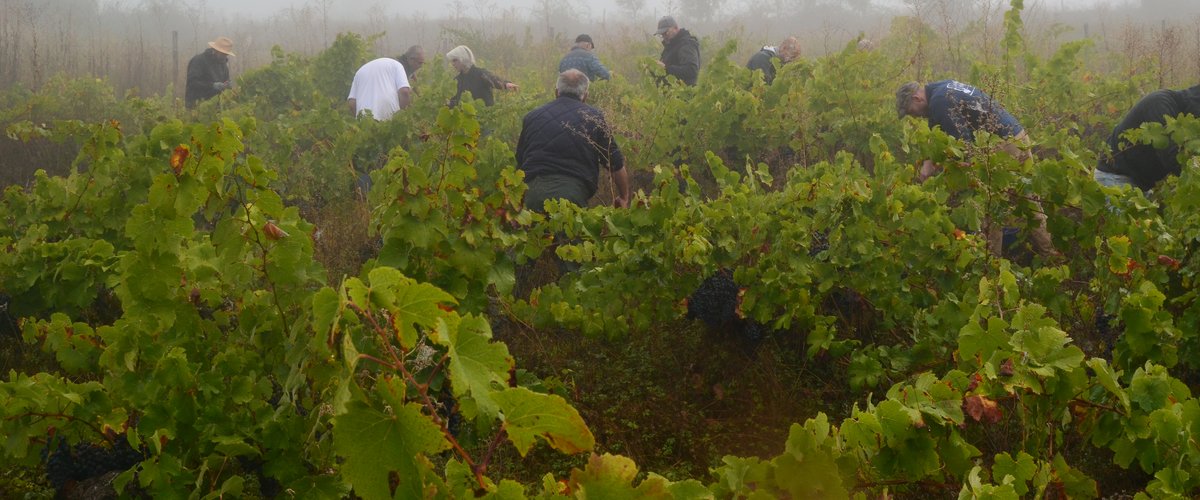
(960, 109)
(584, 60)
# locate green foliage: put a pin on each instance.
(333, 69)
(447, 210)
(172, 278)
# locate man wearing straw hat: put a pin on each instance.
(208, 72)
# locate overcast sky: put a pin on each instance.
(437, 8)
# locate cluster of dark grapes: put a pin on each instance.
(715, 303)
(448, 411)
(8, 324)
(1107, 332)
(277, 398)
(253, 467)
(820, 243)
(67, 464)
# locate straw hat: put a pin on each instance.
(223, 45)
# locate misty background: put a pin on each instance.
(143, 46)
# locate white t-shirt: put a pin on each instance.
(375, 86)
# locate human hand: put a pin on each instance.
(511, 86)
(661, 64)
(928, 169)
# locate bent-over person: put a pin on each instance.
(1143, 165)
(961, 110)
(763, 60)
(381, 87)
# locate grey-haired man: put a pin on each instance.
(564, 144)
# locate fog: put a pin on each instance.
(143, 44)
(596, 9)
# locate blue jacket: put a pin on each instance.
(587, 62)
(961, 109)
(567, 137)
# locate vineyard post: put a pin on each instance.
(175, 59)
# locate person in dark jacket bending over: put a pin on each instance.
(583, 59)
(471, 78)
(208, 72)
(681, 51)
(761, 60)
(562, 146)
(961, 110)
(1142, 165)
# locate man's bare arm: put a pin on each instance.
(621, 178)
(405, 97)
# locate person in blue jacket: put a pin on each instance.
(583, 59)
(961, 110)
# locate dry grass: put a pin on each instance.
(343, 242)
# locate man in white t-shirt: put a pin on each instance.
(380, 86)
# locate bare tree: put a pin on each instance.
(632, 7)
(703, 10)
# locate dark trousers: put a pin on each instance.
(555, 187)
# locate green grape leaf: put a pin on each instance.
(375, 443)
(1021, 470)
(612, 476)
(529, 416)
(476, 363)
(411, 302)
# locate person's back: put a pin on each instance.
(762, 61)
(1141, 164)
(585, 61)
(376, 86)
(961, 110)
(581, 58)
(563, 145)
(560, 138)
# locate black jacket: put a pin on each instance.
(681, 56)
(567, 137)
(761, 60)
(479, 82)
(203, 71)
(1142, 163)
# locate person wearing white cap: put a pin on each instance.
(208, 72)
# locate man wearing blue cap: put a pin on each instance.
(583, 59)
